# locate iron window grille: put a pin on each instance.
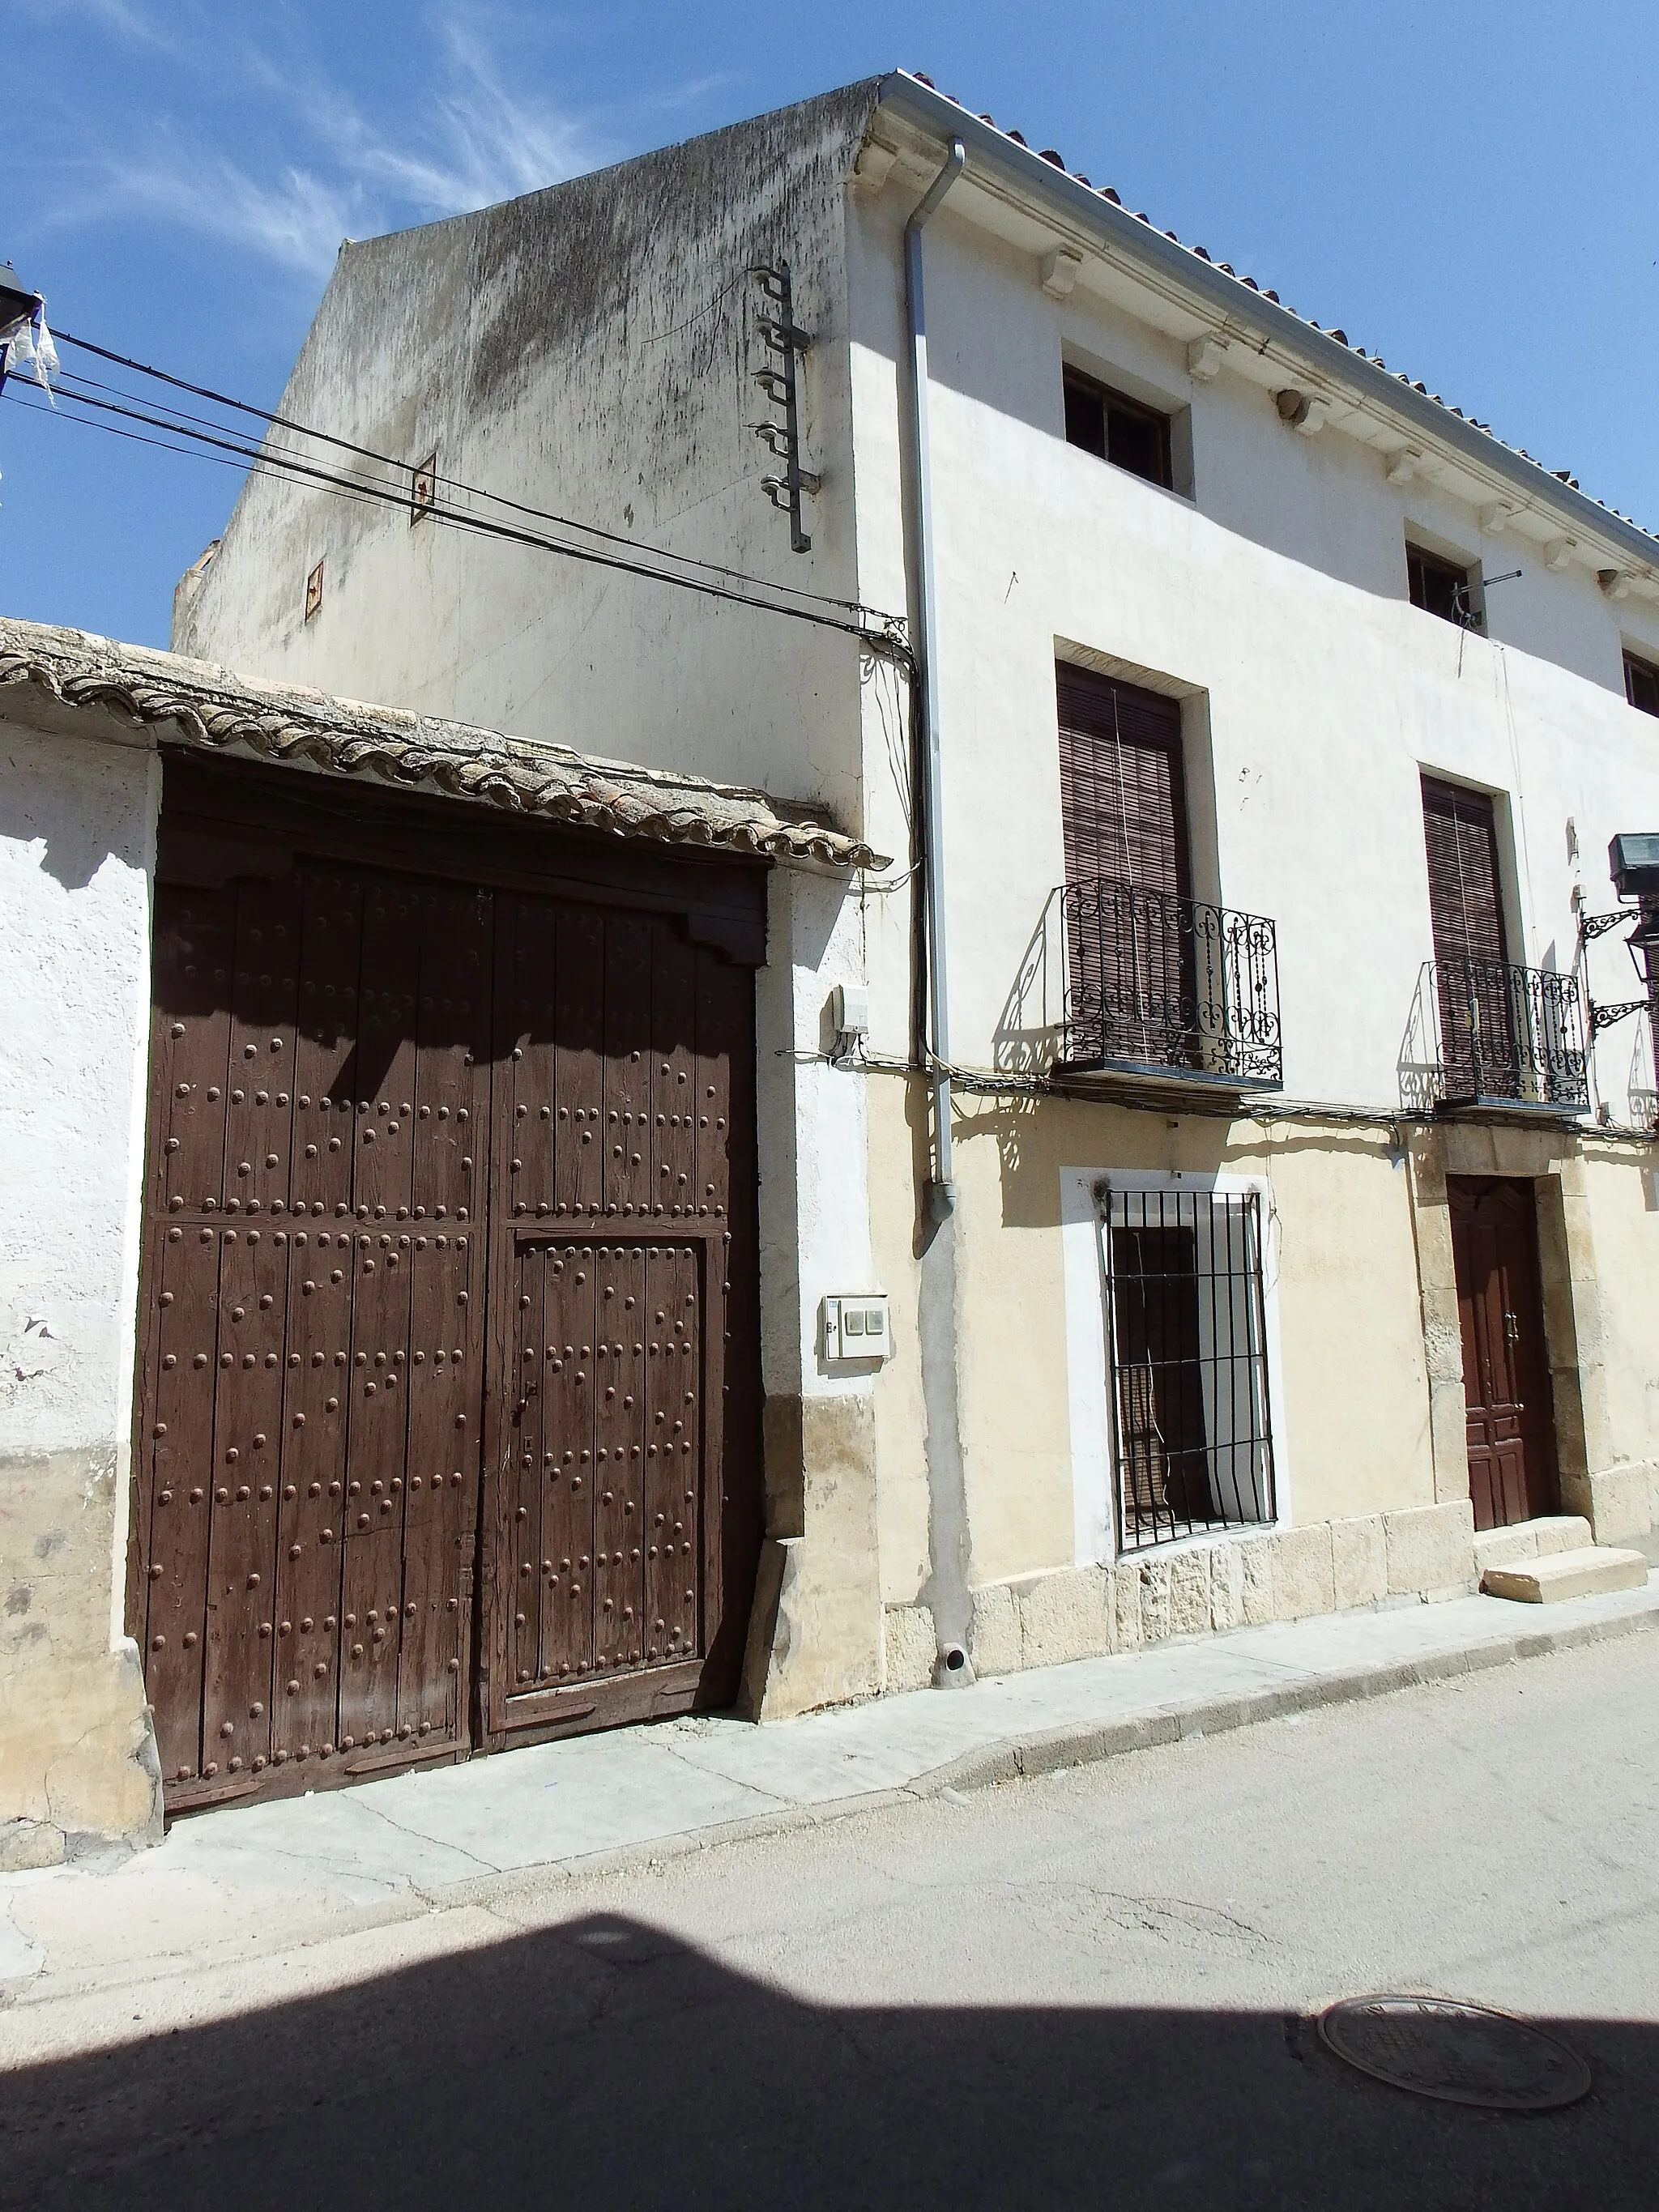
(1160, 984)
(1512, 1035)
(1191, 1421)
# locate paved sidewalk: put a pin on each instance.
(243, 1882)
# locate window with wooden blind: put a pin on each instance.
(1642, 683)
(1122, 792)
(1471, 954)
(1123, 814)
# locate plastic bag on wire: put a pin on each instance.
(28, 346)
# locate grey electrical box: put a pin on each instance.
(856, 1326)
(849, 1009)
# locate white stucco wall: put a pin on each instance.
(76, 856)
(77, 829)
(1275, 600)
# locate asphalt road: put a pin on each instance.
(1095, 1990)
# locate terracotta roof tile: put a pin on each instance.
(199, 704)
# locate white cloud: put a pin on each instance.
(475, 142)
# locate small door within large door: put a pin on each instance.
(1513, 1473)
(624, 1052)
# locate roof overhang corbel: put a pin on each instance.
(1030, 204)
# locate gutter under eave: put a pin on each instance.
(1080, 209)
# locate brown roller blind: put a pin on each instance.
(1464, 904)
(1123, 800)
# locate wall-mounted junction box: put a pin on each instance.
(849, 1009)
(856, 1326)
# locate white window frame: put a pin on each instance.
(1088, 1355)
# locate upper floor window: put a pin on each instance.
(1441, 587)
(1642, 683)
(1123, 431)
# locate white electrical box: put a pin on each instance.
(855, 1327)
(849, 1009)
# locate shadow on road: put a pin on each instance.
(605, 2064)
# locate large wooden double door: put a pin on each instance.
(1513, 1472)
(446, 1393)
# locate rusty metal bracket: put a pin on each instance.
(783, 338)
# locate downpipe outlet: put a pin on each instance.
(954, 1670)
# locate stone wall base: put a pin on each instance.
(1622, 1502)
(79, 1772)
(1424, 1551)
(80, 1778)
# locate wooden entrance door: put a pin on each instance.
(620, 1201)
(314, 1279)
(1513, 1473)
(404, 1120)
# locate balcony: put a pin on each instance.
(1162, 988)
(1507, 1036)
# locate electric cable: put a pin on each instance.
(453, 484)
(266, 459)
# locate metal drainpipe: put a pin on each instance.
(946, 1593)
(942, 1190)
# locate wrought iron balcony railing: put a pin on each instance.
(1510, 1035)
(1159, 985)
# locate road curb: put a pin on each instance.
(1089, 1743)
(1048, 1751)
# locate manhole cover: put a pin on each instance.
(1464, 2054)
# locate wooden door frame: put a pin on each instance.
(1539, 1445)
(1552, 1161)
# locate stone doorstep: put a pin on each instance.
(1591, 1569)
(1531, 1540)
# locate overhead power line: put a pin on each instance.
(613, 550)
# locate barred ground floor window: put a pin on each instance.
(1188, 1389)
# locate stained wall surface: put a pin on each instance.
(77, 1763)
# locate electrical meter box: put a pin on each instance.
(855, 1327)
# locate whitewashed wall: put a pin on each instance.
(77, 821)
(1275, 600)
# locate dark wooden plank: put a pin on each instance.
(627, 949)
(311, 1523)
(371, 1599)
(194, 958)
(579, 1074)
(673, 1074)
(259, 1120)
(446, 1365)
(527, 1131)
(180, 1447)
(383, 1198)
(242, 1531)
(674, 1456)
(520, 1572)
(619, 1394)
(324, 1104)
(567, 1462)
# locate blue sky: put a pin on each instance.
(1466, 189)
